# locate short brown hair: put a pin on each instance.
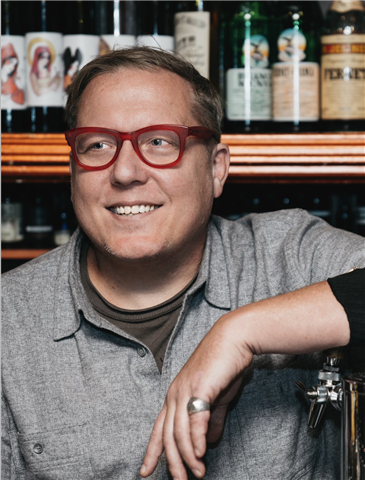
(207, 105)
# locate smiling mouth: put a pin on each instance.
(133, 210)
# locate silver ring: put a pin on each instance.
(197, 405)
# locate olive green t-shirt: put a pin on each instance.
(151, 326)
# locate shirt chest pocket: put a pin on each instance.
(58, 454)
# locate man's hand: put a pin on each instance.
(213, 373)
(304, 321)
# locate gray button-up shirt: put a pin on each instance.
(80, 399)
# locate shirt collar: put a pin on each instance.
(70, 301)
(213, 269)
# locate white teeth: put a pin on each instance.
(134, 210)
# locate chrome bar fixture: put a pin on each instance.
(347, 394)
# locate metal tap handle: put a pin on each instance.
(318, 396)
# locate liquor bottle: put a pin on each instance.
(115, 24)
(13, 76)
(63, 218)
(38, 219)
(44, 47)
(295, 75)
(248, 76)
(342, 67)
(80, 42)
(12, 232)
(155, 26)
(192, 34)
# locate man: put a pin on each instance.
(95, 332)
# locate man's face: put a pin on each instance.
(181, 196)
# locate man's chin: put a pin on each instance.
(134, 253)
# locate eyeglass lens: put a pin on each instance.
(159, 147)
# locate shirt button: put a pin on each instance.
(141, 351)
(38, 448)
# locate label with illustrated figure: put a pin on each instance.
(295, 91)
(45, 69)
(192, 31)
(291, 46)
(13, 72)
(343, 77)
(248, 94)
(78, 50)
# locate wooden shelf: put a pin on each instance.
(269, 158)
(22, 254)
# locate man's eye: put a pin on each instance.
(97, 146)
(157, 142)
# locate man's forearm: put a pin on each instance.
(306, 320)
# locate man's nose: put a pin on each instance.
(128, 167)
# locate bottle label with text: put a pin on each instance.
(295, 91)
(343, 77)
(248, 94)
(44, 69)
(192, 30)
(13, 72)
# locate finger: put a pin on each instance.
(155, 446)
(198, 430)
(216, 423)
(173, 457)
(182, 435)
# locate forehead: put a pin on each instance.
(155, 95)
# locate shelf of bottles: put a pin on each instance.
(291, 76)
(335, 158)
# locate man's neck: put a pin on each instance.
(140, 285)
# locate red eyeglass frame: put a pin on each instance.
(182, 131)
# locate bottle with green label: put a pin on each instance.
(343, 67)
(248, 73)
(295, 73)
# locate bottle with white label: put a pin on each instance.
(13, 69)
(80, 42)
(343, 67)
(44, 51)
(115, 24)
(155, 26)
(295, 74)
(248, 76)
(192, 34)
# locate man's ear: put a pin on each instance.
(221, 159)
